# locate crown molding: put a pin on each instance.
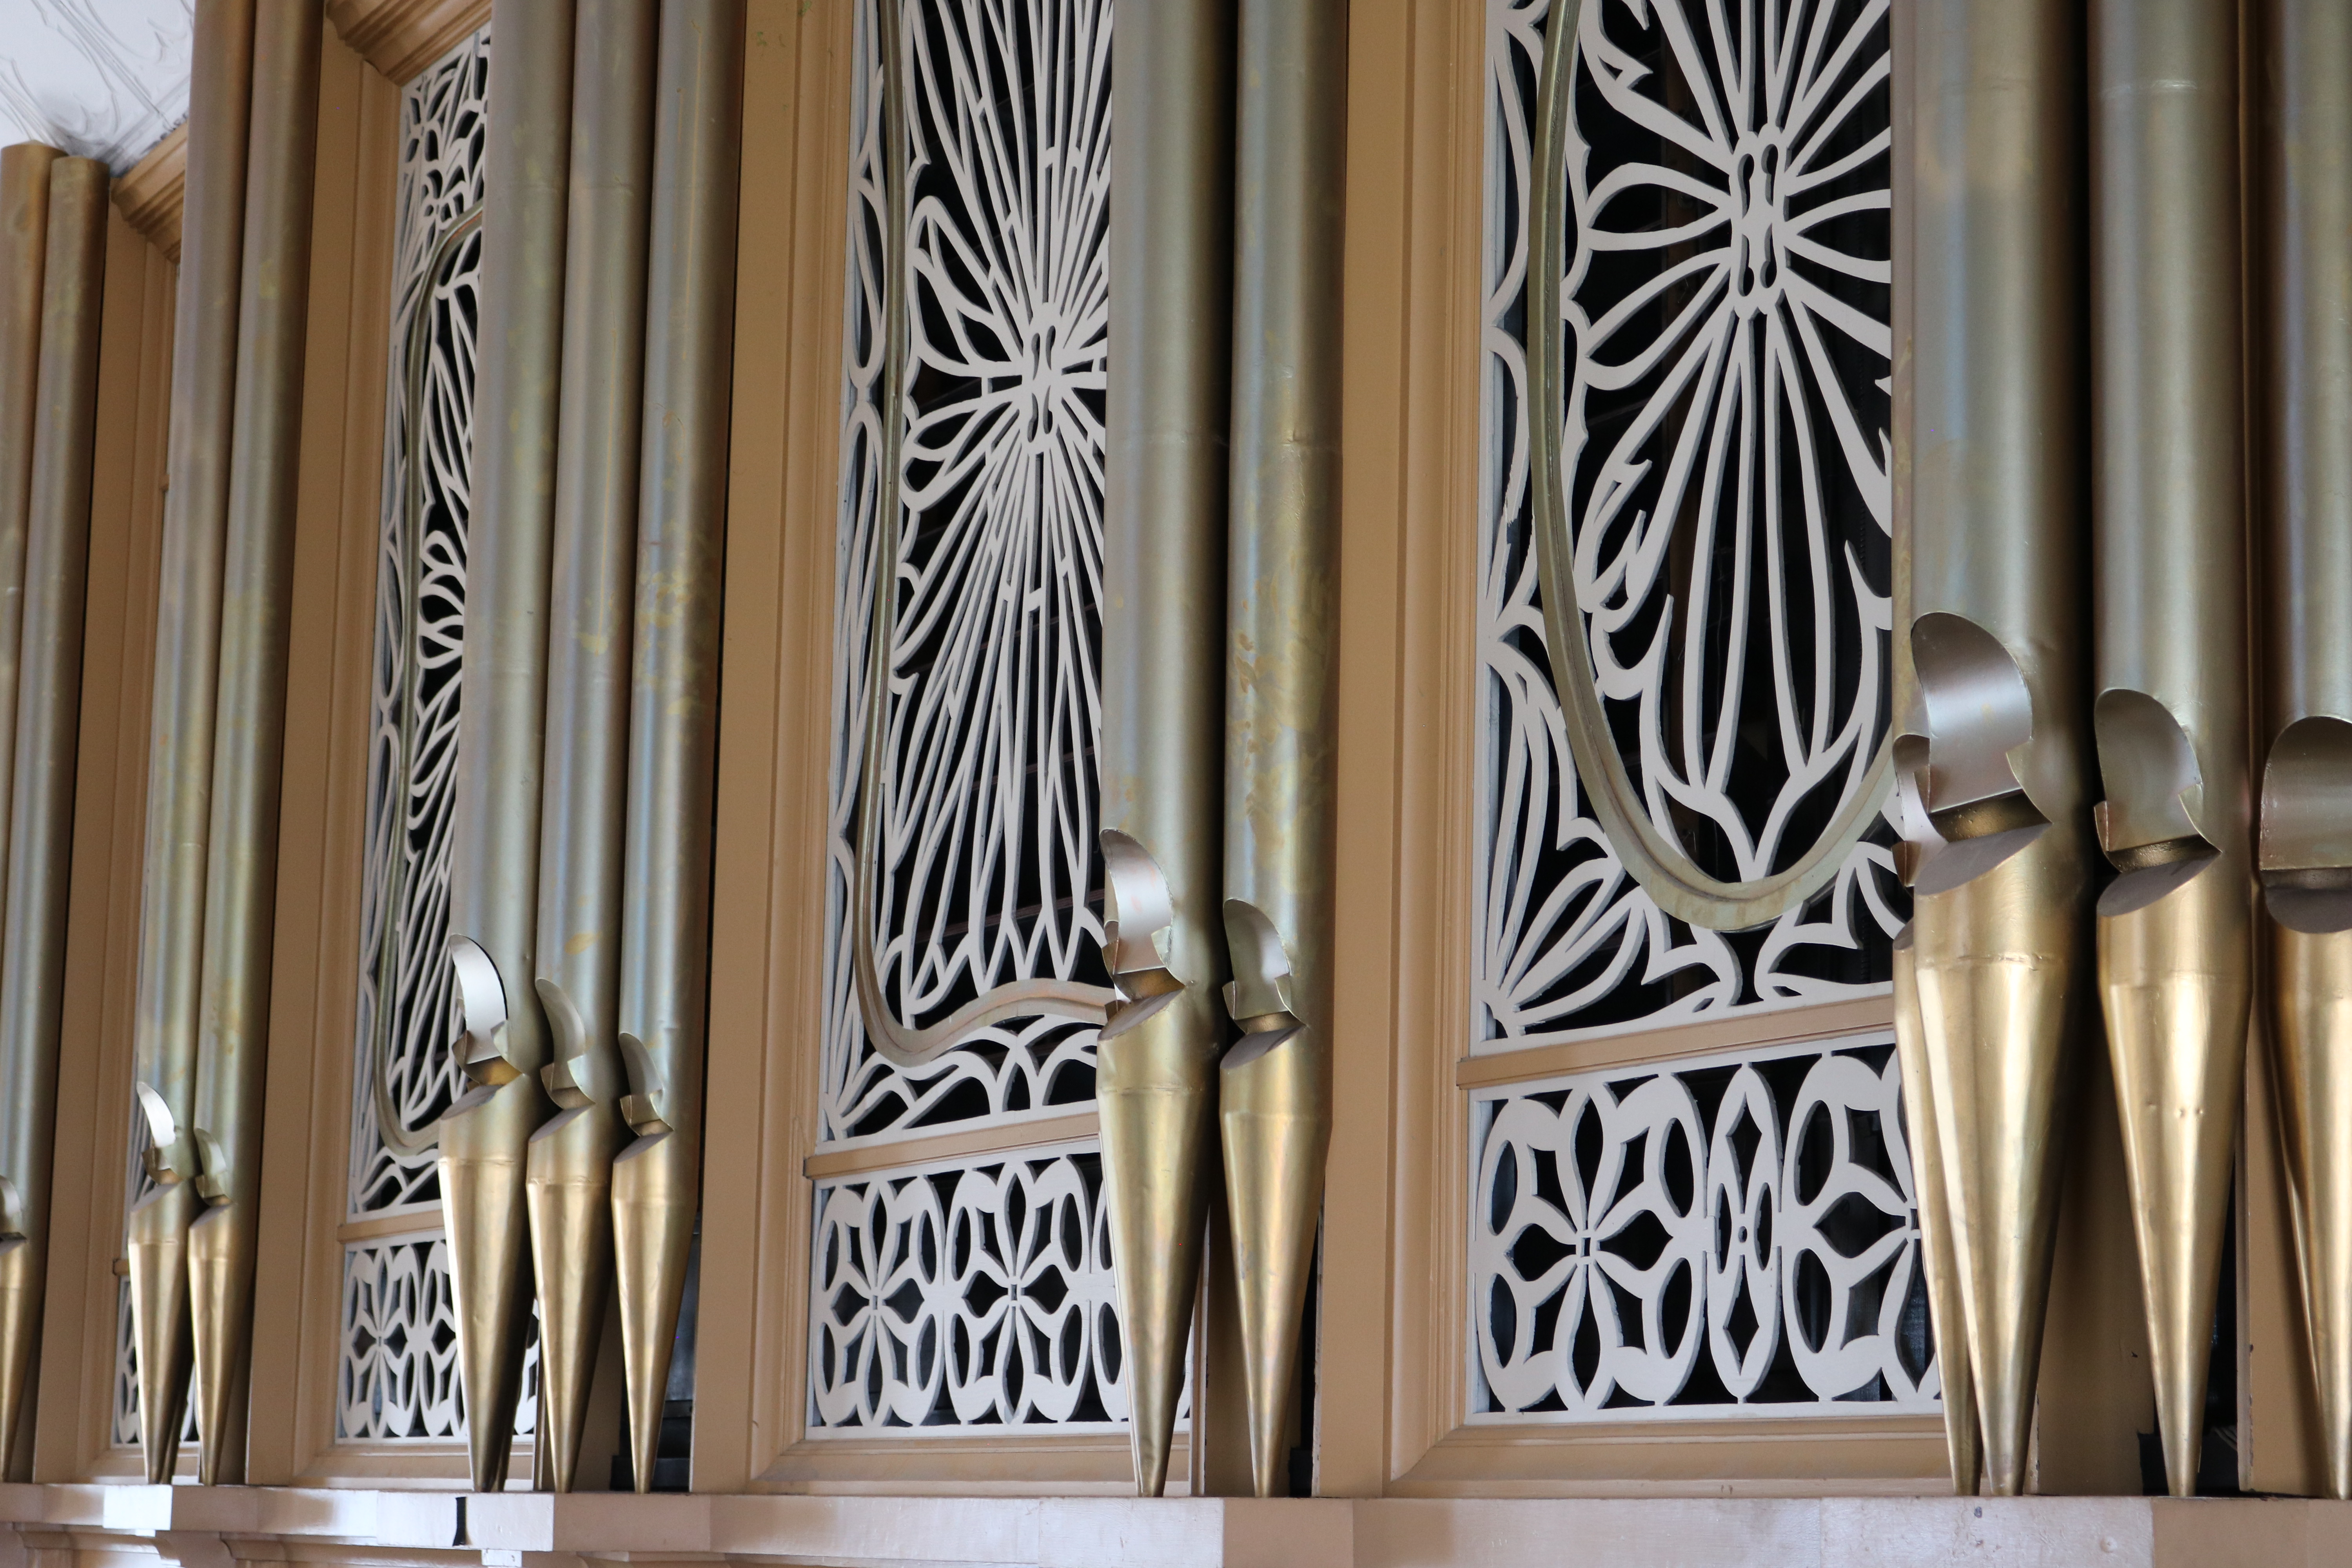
(400, 37)
(151, 194)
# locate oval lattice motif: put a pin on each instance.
(1726, 408)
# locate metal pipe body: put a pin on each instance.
(1163, 680)
(494, 853)
(2306, 847)
(570, 1159)
(1282, 677)
(249, 729)
(674, 707)
(1938, 1246)
(2175, 929)
(180, 726)
(1996, 571)
(40, 819)
(25, 1112)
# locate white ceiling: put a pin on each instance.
(102, 79)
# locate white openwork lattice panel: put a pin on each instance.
(406, 1075)
(398, 1377)
(1723, 407)
(968, 1296)
(1694, 1238)
(988, 870)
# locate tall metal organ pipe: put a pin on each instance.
(2175, 928)
(1164, 687)
(180, 722)
(495, 837)
(570, 1159)
(41, 811)
(673, 687)
(1993, 771)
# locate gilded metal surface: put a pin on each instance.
(27, 1085)
(249, 730)
(2305, 846)
(1939, 1248)
(40, 824)
(2312, 997)
(2175, 932)
(1275, 1107)
(180, 743)
(1996, 559)
(570, 1159)
(494, 855)
(673, 733)
(1163, 686)
(1282, 670)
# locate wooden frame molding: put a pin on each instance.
(400, 37)
(150, 195)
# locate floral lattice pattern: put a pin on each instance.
(1733, 1231)
(399, 1373)
(407, 1075)
(1731, 542)
(988, 784)
(971, 1296)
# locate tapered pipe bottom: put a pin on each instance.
(1963, 1442)
(2004, 993)
(220, 1314)
(1156, 1096)
(653, 1236)
(570, 1193)
(2312, 976)
(21, 1279)
(2174, 979)
(483, 1216)
(1277, 1131)
(157, 1259)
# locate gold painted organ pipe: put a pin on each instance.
(495, 842)
(1163, 691)
(674, 693)
(2305, 852)
(40, 819)
(1282, 682)
(181, 720)
(570, 1158)
(26, 1112)
(2175, 933)
(1992, 764)
(249, 727)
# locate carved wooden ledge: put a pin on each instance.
(400, 37)
(218, 1527)
(151, 194)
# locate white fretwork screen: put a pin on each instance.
(397, 1377)
(1730, 1233)
(1724, 402)
(972, 1296)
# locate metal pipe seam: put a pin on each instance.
(494, 831)
(673, 691)
(40, 809)
(181, 714)
(569, 1159)
(1163, 681)
(1282, 670)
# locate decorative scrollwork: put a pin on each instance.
(1713, 526)
(974, 1295)
(966, 873)
(1570, 938)
(1732, 1231)
(406, 1075)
